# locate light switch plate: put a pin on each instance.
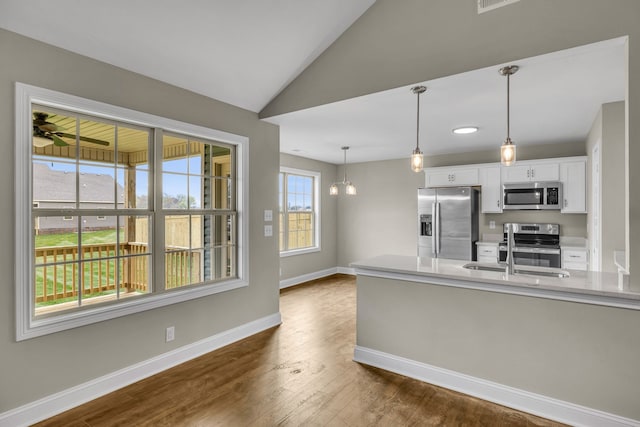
(268, 230)
(268, 215)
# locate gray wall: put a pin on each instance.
(564, 350)
(609, 128)
(326, 258)
(397, 43)
(41, 366)
(381, 219)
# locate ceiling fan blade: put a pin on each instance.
(49, 127)
(58, 141)
(84, 138)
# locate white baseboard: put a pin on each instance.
(521, 400)
(347, 270)
(307, 277)
(59, 402)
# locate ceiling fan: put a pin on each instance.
(47, 133)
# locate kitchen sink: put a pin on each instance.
(484, 267)
(550, 272)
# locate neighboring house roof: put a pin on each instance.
(55, 185)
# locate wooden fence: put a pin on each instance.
(56, 272)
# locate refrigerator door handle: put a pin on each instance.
(437, 230)
(434, 231)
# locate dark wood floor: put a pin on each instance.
(300, 373)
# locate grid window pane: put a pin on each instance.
(297, 208)
(101, 167)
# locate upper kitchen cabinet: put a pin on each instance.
(489, 177)
(527, 171)
(451, 176)
(573, 175)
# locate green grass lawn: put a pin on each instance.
(102, 271)
(71, 239)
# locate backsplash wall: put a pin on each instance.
(571, 225)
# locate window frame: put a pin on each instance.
(316, 210)
(27, 326)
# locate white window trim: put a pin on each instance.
(317, 208)
(29, 327)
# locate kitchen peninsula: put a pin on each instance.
(563, 348)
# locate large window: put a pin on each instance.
(298, 211)
(118, 211)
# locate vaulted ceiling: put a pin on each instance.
(245, 52)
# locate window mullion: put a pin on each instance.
(285, 212)
(158, 253)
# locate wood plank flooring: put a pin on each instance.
(298, 374)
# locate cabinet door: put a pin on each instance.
(491, 189)
(517, 173)
(575, 259)
(465, 176)
(545, 172)
(449, 177)
(573, 178)
(437, 177)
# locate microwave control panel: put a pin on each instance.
(552, 196)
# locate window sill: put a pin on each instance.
(294, 252)
(47, 325)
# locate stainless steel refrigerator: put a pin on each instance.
(448, 222)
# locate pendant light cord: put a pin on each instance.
(508, 108)
(344, 180)
(418, 122)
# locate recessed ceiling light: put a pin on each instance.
(466, 129)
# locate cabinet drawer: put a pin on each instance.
(488, 251)
(571, 255)
(487, 259)
(575, 266)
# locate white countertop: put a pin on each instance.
(582, 286)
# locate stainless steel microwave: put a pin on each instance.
(533, 195)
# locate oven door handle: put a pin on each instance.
(536, 250)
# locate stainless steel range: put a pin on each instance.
(533, 244)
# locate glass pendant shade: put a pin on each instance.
(350, 189)
(417, 160)
(508, 153)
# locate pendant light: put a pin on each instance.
(417, 159)
(349, 188)
(508, 149)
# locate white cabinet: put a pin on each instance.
(451, 176)
(491, 184)
(573, 175)
(530, 171)
(575, 258)
(487, 252)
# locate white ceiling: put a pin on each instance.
(245, 52)
(554, 99)
(242, 52)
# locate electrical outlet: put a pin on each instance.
(268, 230)
(268, 215)
(171, 333)
(492, 224)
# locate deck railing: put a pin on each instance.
(56, 275)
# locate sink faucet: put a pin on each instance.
(510, 245)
